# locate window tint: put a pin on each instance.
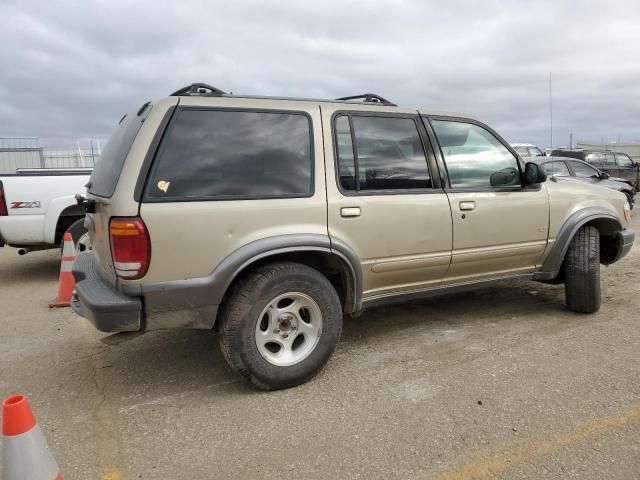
(346, 165)
(556, 169)
(624, 160)
(582, 170)
(233, 154)
(389, 152)
(474, 157)
(106, 173)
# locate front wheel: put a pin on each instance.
(582, 271)
(280, 325)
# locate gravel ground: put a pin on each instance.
(498, 383)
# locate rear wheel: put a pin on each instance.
(80, 236)
(582, 271)
(280, 325)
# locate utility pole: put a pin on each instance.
(550, 114)
(570, 141)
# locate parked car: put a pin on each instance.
(615, 164)
(577, 170)
(270, 218)
(528, 150)
(37, 206)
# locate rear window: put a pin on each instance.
(233, 154)
(106, 173)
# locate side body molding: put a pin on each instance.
(552, 264)
(193, 294)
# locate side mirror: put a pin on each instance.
(604, 175)
(534, 173)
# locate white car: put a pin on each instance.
(527, 150)
(37, 206)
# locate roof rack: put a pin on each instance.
(369, 98)
(198, 89)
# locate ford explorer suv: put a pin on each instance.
(269, 219)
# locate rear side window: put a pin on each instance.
(387, 155)
(595, 158)
(233, 154)
(108, 167)
(474, 157)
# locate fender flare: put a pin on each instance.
(552, 264)
(210, 290)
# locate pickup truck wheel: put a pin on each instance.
(280, 325)
(629, 199)
(582, 271)
(80, 236)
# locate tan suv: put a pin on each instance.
(269, 218)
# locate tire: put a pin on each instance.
(629, 199)
(254, 303)
(77, 231)
(582, 271)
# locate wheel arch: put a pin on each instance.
(335, 260)
(608, 225)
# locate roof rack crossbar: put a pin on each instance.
(369, 98)
(198, 89)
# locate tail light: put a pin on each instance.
(130, 247)
(3, 203)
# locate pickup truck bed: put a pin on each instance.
(38, 205)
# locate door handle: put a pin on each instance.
(468, 205)
(350, 212)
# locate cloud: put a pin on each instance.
(71, 69)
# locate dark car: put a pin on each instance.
(571, 169)
(616, 164)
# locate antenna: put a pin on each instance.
(550, 114)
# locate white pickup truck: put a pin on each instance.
(37, 206)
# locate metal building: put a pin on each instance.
(20, 152)
(27, 152)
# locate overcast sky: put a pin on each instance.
(69, 70)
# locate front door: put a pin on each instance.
(499, 226)
(383, 199)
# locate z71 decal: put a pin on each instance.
(25, 204)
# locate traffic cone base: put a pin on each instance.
(66, 283)
(25, 453)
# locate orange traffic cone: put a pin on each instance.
(25, 453)
(66, 283)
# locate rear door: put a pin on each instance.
(384, 200)
(499, 226)
(626, 168)
(609, 164)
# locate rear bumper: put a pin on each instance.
(626, 238)
(99, 301)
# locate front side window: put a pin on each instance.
(582, 170)
(474, 157)
(556, 169)
(624, 160)
(387, 155)
(227, 154)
